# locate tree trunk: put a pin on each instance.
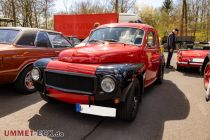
(116, 6)
(14, 13)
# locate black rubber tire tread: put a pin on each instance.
(160, 74)
(125, 110)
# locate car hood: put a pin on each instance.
(100, 53)
(195, 53)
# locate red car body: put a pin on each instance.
(191, 58)
(87, 66)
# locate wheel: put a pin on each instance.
(206, 75)
(47, 98)
(24, 82)
(207, 99)
(179, 68)
(160, 74)
(127, 111)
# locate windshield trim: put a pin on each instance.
(15, 39)
(138, 45)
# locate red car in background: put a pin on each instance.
(107, 76)
(187, 58)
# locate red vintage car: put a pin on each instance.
(187, 58)
(107, 76)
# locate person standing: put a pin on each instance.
(171, 45)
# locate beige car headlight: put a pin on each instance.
(108, 84)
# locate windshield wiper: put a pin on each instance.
(111, 40)
(95, 40)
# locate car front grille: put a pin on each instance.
(70, 82)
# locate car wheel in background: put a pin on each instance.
(206, 75)
(179, 68)
(24, 83)
(160, 74)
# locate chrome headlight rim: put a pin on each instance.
(39, 76)
(113, 80)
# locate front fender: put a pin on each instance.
(42, 63)
(124, 74)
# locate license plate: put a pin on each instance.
(197, 60)
(96, 110)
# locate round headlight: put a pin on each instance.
(108, 85)
(35, 74)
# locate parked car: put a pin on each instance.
(108, 74)
(20, 47)
(83, 43)
(192, 57)
(73, 40)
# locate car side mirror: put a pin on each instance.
(41, 43)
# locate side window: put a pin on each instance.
(58, 41)
(27, 38)
(139, 37)
(150, 39)
(42, 40)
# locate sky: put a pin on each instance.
(59, 6)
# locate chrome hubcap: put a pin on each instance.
(28, 81)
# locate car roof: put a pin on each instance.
(29, 29)
(134, 25)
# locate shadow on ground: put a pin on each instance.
(12, 101)
(166, 70)
(192, 72)
(160, 104)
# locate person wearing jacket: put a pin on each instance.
(171, 45)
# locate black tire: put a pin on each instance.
(160, 74)
(47, 98)
(20, 83)
(127, 111)
(179, 68)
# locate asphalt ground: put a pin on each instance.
(174, 110)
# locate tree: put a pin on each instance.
(123, 6)
(167, 6)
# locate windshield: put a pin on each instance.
(118, 34)
(8, 36)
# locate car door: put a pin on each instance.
(152, 53)
(44, 46)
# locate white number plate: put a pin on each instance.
(96, 110)
(197, 60)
